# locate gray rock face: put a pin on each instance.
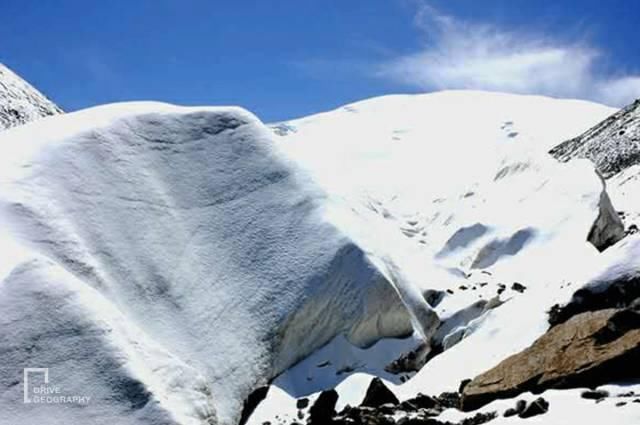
(608, 227)
(613, 145)
(20, 102)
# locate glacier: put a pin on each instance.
(201, 261)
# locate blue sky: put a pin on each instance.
(287, 58)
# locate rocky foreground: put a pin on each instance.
(588, 350)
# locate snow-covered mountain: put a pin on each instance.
(170, 263)
(466, 179)
(20, 102)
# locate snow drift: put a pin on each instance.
(174, 259)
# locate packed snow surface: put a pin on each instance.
(201, 261)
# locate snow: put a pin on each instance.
(465, 182)
(52, 319)
(193, 225)
(622, 189)
(567, 407)
(620, 263)
(205, 254)
(433, 165)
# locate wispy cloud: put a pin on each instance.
(459, 54)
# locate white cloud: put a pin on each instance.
(470, 55)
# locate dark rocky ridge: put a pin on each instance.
(623, 292)
(381, 407)
(612, 145)
(20, 102)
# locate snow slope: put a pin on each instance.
(20, 102)
(167, 261)
(465, 179)
(463, 176)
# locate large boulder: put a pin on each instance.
(324, 408)
(378, 394)
(588, 350)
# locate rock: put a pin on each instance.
(538, 406)
(479, 419)
(363, 416)
(518, 287)
(324, 409)
(378, 394)
(422, 401)
(588, 350)
(513, 411)
(510, 412)
(463, 384)
(617, 294)
(608, 227)
(302, 403)
(449, 400)
(419, 421)
(413, 360)
(407, 406)
(621, 403)
(594, 394)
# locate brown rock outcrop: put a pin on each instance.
(588, 350)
